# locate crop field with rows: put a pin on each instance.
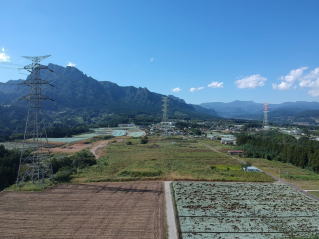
(130, 210)
(244, 210)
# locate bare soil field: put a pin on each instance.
(71, 148)
(96, 147)
(100, 210)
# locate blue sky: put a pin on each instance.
(261, 50)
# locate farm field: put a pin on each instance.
(161, 158)
(131, 210)
(244, 210)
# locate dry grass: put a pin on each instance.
(303, 178)
(165, 159)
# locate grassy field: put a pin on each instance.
(166, 159)
(29, 186)
(303, 178)
(315, 193)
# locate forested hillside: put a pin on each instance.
(81, 101)
(75, 90)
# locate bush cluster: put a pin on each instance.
(9, 164)
(64, 167)
(144, 140)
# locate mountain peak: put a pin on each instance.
(74, 90)
(59, 68)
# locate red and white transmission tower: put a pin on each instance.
(266, 121)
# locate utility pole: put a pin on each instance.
(35, 163)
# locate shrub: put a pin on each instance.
(83, 159)
(129, 143)
(60, 162)
(9, 164)
(108, 137)
(144, 140)
(63, 175)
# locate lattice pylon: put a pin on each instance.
(165, 109)
(35, 163)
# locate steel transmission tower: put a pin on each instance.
(165, 109)
(34, 158)
(266, 111)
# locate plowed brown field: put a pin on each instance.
(100, 210)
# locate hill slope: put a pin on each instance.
(75, 90)
(80, 99)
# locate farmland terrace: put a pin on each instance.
(132, 210)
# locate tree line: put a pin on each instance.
(271, 145)
(62, 166)
(9, 164)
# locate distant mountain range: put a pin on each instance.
(300, 112)
(81, 99)
(75, 91)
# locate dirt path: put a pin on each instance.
(230, 156)
(71, 148)
(96, 148)
(296, 187)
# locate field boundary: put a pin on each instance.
(170, 212)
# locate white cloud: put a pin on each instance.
(216, 84)
(193, 89)
(298, 78)
(252, 81)
(288, 81)
(282, 85)
(311, 81)
(177, 89)
(314, 92)
(3, 56)
(152, 59)
(71, 64)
